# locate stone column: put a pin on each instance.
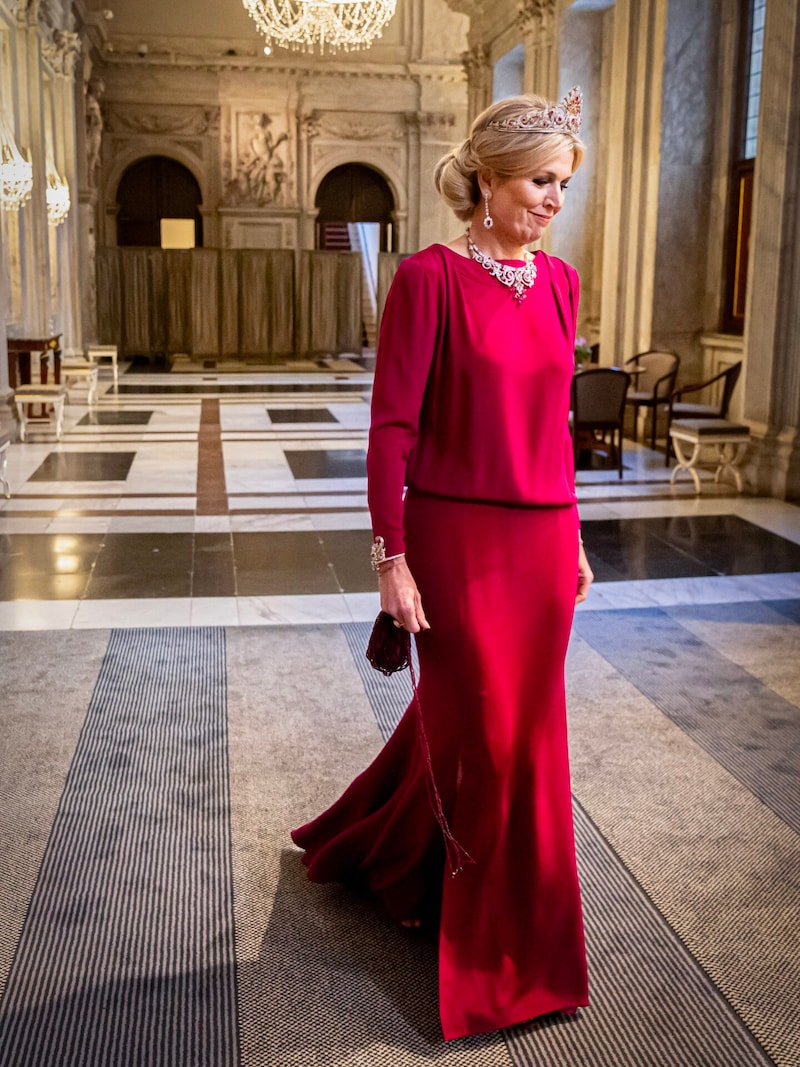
(631, 213)
(35, 269)
(307, 130)
(772, 318)
(479, 80)
(65, 53)
(6, 402)
(412, 124)
(539, 21)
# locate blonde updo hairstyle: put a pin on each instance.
(508, 153)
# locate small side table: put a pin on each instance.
(729, 439)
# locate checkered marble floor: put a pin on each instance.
(240, 499)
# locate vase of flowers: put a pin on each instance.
(583, 352)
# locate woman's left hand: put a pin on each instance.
(585, 576)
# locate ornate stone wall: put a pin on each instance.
(259, 136)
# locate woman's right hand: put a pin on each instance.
(400, 597)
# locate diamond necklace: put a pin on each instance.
(520, 279)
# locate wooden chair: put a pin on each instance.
(598, 408)
(723, 385)
(654, 373)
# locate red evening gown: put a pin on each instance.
(497, 571)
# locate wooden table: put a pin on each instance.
(20, 351)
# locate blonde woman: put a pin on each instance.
(464, 822)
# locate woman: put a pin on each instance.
(465, 817)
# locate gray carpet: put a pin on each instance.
(652, 1004)
(744, 725)
(126, 955)
(121, 922)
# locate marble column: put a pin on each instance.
(66, 52)
(6, 403)
(34, 243)
(772, 316)
(631, 211)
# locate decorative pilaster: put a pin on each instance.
(34, 237)
(479, 80)
(412, 121)
(538, 21)
(631, 213)
(772, 331)
(65, 50)
(308, 128)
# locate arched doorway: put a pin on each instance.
(153, 189)
(354, 193)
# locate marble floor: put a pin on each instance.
(239, 499)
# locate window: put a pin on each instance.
(745, 141)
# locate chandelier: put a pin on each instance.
(16, 172)
(57, 196)
(302, 25)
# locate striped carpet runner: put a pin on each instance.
(127, 952)
(641, 1014)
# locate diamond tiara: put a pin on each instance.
(561, 118)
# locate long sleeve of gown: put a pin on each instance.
(409, 336)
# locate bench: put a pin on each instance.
(48, 395)
(96, 352)
(728, 438)
(81, 370)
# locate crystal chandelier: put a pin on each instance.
(57, 195)
(303, 25)
(16, 172)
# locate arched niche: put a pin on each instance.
(350, 193)
(153, 188)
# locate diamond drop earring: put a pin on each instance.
(488, 221)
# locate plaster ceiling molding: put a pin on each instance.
(149, 48)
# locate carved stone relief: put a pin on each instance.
(190, 121)
(62, 51)
(536, 16)
(390, 155)
(94, 128)
(361, 127)
(260, 172)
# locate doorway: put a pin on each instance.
(151, 190)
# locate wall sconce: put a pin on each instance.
(16, 172)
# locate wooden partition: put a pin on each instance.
(270, 306)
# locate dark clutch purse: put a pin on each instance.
(388, 647)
